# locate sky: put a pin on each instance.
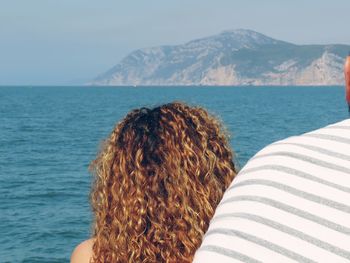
(69, 42)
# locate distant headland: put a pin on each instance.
(236, 57)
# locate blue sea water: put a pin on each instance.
(48, 136)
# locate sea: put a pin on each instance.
(49, 135)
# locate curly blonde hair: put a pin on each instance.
(158, 179)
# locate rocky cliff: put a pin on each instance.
(237, 57)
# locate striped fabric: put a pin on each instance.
(290, 203)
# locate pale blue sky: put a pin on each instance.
(71, 41)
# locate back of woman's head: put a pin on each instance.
(158, 179)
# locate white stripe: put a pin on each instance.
(308, 227)
(313, 148)
(287, 208)
(335, 146)
(301, 184)
(208, 256)
(334, 132)
(327, 174)
(246, 247)
(330, 137)
(309, 159)
(276, 237)
(277, 148)
(264, 170)
(314, 208)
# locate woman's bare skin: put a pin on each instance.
(347, 79)
(83, 252)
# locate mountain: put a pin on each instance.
(236, 57)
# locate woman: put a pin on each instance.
(158, 179)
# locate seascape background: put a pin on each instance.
(48, 136)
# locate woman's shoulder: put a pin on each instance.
(83, 252)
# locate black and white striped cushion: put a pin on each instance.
(290, 203)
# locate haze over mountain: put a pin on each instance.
(237, 57)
